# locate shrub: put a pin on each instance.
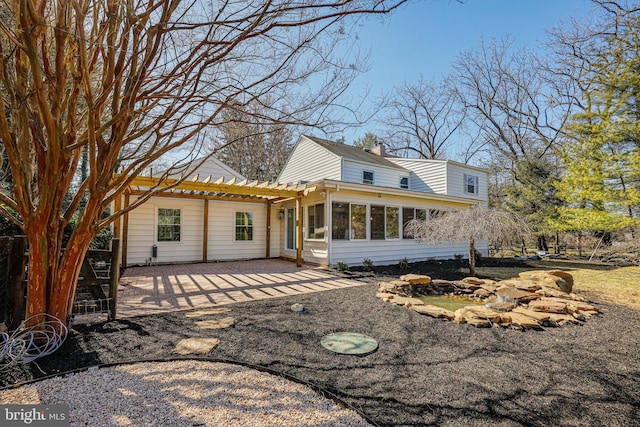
(403, 264)
(342, 266)
(459, 257)
(368, 264)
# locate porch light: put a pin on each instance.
(281, 214)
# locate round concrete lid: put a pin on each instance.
(349, 343)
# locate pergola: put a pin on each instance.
(219, 189)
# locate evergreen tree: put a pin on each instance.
(601, 186)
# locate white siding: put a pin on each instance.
(222, 244)
(455, 182)
(313, 250)
(384, 252)
(143, 233)
(216, 169)
(382, 177)
(310, 162)
(276, 238)
(429, 176)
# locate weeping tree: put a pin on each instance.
(129, 82)
(473, 224)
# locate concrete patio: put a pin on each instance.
(163, 288)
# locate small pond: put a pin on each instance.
(449, 302)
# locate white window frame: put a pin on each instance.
(407, 186)
(309, 228)
(235, 226)
(466, 183)
(157, 225)
(373, 177)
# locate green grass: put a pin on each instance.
(617, 285)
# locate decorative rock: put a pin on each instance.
(545, 295)
(482, 293)
(561, 279)
(552, 292)
(538, 315)
(385, 295)
(216, 324)
(500, 305)
(199, 313)
(561, 319)
(297, 307)
(491, 287)
(548, 306)
(416, 279)
(520, 319)
(196, 345)
(574, 306)
(433, 311)
(386, 287)
(523, 285)
(478, 316)
(515, 295)
(408, 301)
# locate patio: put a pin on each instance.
(164, 288)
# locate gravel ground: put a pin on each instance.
(183, 394)
(425, 372)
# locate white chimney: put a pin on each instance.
(379, 150)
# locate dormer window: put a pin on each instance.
(404, 182)
(470, 184)
(367, 177)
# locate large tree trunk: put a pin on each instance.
(472, 257)
(542, 243)
(54, 271)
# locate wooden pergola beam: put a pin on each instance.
(219, 186)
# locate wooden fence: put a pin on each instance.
(97, 290)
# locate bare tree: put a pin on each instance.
(422, 119)
(470, 225)
(520, 113)
(510, 100)
(133, 81)
(253, 145)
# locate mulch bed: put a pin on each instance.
(425, 372)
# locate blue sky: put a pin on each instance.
(425, 37)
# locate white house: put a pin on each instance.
(333, 202)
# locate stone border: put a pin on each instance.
(534, 300)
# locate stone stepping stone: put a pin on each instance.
(199, 313)
(216, 324)
(349, 343)
(196, 345)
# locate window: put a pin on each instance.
(291, 228)
(340, 221)
(367, 177)
(470, 184)
(358, 222)
(377, 222)
(409, 214)
(404, 182)
(168, 225)
(244, 226)
(393, 217)
(315, 221)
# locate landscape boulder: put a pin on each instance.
(560, 279)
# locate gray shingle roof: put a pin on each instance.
(353, 153)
